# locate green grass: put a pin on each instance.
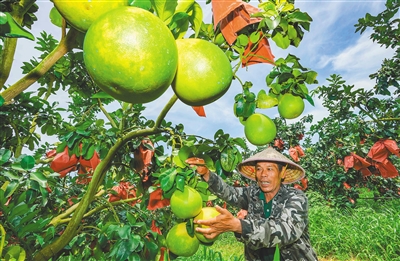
(224, 249)
(369, 232)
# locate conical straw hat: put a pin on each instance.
(293, 171)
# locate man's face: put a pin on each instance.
(268, 177)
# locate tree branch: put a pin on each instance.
(65, 45)
(10, 44)
(97, 179)
(106, 114)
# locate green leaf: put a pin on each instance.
(55, 17)
(287, 7)
(184, 5)
(219, 170)
(5, 155)
(18, 210)
(10, 175)
(120, 250)
(249, 108)
(168, 179)
(284, 77)
(90, 152)
(292, 33)
(179, 25)
(180, 182)
(12, 29)
(124, 232)
(1, 100)
(12, 186)
(228, 158)
(164, 8)
(239, 107)
(134, 257)
(240, 142)
(61, 147)
(254, 37)
(131, 218)
(309, 99)
(178, 162)
(144, 4)
(185, 152)
(272, 21)
(40, 178)
(29, 228)
(311, 77)
(29, 216)
(45, 195)
(299, 17)
(27, 162)
(242, 40)
(15, 253)
(276, 87)
(281, 41)
(196, 18)
(190, 227)
(265, 101)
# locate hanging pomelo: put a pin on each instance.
(82, 13)
(131, 54)
(204, 72)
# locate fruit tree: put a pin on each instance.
(109, 184)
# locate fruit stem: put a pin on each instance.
(65, 45)
(165, 110)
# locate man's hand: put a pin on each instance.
(201, 166)
(225, 222)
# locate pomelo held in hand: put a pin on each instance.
(205, 214)
(204, 72)
(180, 242)
(131, 54)
(259, 129)
(186, 203)
(290, 106)
(80, 14)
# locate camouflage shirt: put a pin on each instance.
(287, 225)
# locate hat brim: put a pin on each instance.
(293, 172)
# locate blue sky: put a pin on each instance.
(331, 47)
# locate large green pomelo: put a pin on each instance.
(186, 203)
(204, 72)
(259, 129)
(131, 54)
(205, 214)
(180, 242)
(82, 13)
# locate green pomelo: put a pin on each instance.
(186, 203)
(131, 54)
(290, 106)
(204, 72)
(205, 214)
(259, 129)
(80, 14)
(180, 242)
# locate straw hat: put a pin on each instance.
(293, 171)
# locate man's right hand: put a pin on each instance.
(200, 165)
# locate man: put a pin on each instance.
(277, 215)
